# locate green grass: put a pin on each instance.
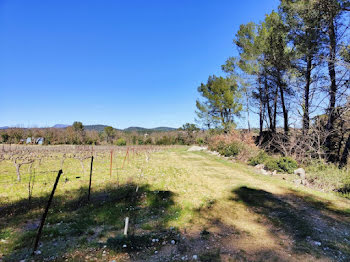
(176, 195)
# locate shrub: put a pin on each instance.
(230, 150)
(282, 164)
(148, 141)
(272, 164)
(328, 176)
(200, 141)
(260, 158)
(120, 142)
(287, 164)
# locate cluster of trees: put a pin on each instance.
(292, 69)
(77, 135)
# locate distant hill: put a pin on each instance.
(60, 126)
(100, 128)
(148, 130)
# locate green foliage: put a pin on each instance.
(221, 100)
(109, 131)
(120, 142)
(287, 164)
(78, 126)
(5, 137)
(165, 140)
(282, 164)
(272, 164)
(328, 176)
(200, 141)
(148, 141)
(230, 150)
(260, 158)
(189, 127)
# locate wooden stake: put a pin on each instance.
(92, 161)
(126, 226)
(111, 164)
(45, 212)
(127, 154)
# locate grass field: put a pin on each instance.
(182, 206)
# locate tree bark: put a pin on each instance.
(285, 111)
(306, 116)
(345, 155)
(332, 75)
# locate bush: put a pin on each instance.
(328, 176)
(200, 141)
(148, 141)
(120, 142)
(230, 150)
(260, 158)
(272, 165)
(287, 164)
(282, 164)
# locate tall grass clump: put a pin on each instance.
(328, 176)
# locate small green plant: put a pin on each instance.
(272, 164)
(282, 164)
(287, 164)
(260, 158)
(120, 142)
(200, 141)
(230, 150)
(148, 141)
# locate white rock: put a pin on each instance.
(37, 252)
(264, 172)
(317, 243)
(124, 245)
(195, 257)
(300, 172)
(172, 242)
(260, 166)
(197, 148)
(297, 181)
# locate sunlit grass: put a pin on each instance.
(192, 192)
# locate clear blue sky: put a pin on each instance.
(121, 63)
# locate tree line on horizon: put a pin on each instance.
(77, 134)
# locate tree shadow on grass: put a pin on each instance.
(74, 222)
(300, 218)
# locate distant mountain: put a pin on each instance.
(60, 126)
(98, 128)
(145, 130)
(164, 128)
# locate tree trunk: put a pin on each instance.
(275, 111)
(285, 111)
(345, 155)
(267, 102)
(332, 75)
(306, 116)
